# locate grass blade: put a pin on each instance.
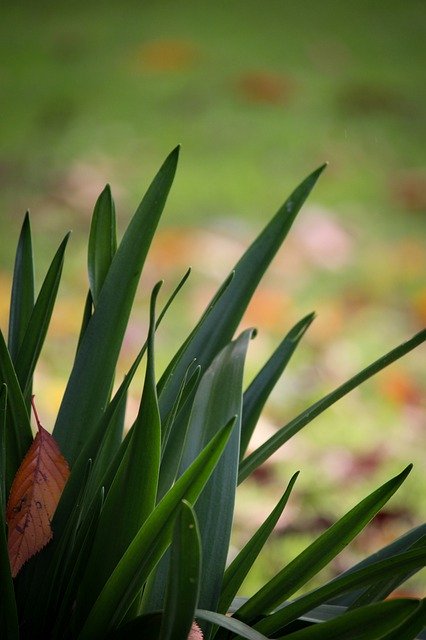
(90, 382)
(318, 554)
(258, 457)
(22, 297)
(184, 576)
(259, 390)
(38, 323)
(241, 565)
(102, 242)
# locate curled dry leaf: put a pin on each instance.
(34, 496)
(195, 633)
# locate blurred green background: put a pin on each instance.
(258, 94)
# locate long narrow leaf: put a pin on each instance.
(22, 297)
(241, 565)
(262, 385)
(220, 322)
(150, 543)
(232, 624)
(184, 577)
(258, 457)
(412, 626)
(90, 382)
(368, 575)
(409, 540)
(102, 242)
(134, 489)
(18, 432)
(38, 323)
(219, 396)
(320, 552)
(9, 627)
(367, 623)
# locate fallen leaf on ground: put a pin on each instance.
(33, 499)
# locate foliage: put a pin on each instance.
(142, 528)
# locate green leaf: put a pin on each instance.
(102, 242)
(76, 565)
(412, 626)
(222, 316)
(134, 489)
(410, 540)
(146, 627)
(366, 623)
(184, 576)
(262, 385)
(232, 624)
(318, 554)
(381, 590)
(91, 378)
(38, 323)
(241, 565)
(219, 396)
(18, 433)
(9, 627)
(368, 575)
(22, 298)
(150, 543)
(262, 453)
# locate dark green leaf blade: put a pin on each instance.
(38, 323)
(150, 543)
(221, 320)
(219, 397)
(22, 297)
(102, 242)
(370, 574)
(412, 626)
(9, 627)
(133, 491)
(366, 623)
(90, 382)
(184, 576)
(259, 390)
(409, 540)
(232, 624)
(241, 565)
(320, 552)
(262, 453)
(18, 432)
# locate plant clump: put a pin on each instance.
(114, 533)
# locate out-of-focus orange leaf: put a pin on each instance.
(34, 496)
(265, 87)
(166, 55)
(399, 387)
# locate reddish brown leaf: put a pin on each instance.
(34, 496)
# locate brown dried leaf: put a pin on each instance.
(34, 496)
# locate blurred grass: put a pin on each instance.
(258, 95)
